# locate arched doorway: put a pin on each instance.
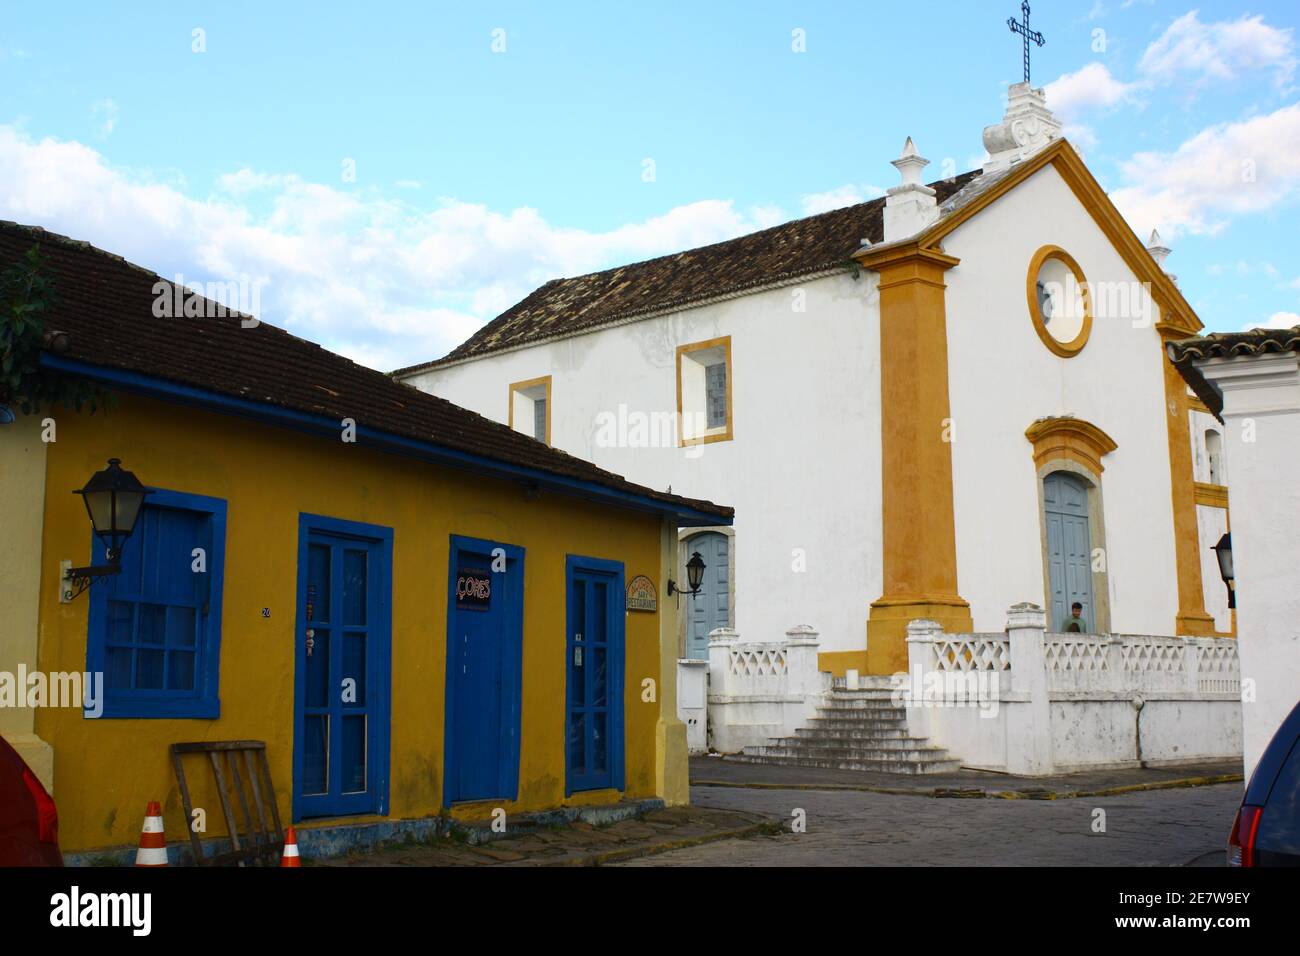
(1069, 549)
(711, 608)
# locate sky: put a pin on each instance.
(383, 178)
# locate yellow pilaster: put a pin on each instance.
(1191, 618)
(672, 774)
(918, 532)
(22, 511)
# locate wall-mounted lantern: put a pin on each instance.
(1223, 551)
(113, 498)
(694, 576)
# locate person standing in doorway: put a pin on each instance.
(1075, 624)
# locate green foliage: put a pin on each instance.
(27, 298)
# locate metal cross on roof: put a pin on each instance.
(1023, 29)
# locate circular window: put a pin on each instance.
(1059, 304)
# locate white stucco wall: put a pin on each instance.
(803, 467)
(1261, 412)
(1002, 378)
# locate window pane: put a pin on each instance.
(715, 385)
(181, 623)
(153, 624)
(120, 619)
(354, 667)
(598, 682)
(180, 670)
(318, 583)
(577, 738)
(599, 742)
(117, 674)
(354, 754)
(148, 670)
(539, 419)
(318, 669)
(315, 748)
(354, 587)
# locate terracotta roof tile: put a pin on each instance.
(798, 248)
(105, 305)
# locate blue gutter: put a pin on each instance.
(687, 516)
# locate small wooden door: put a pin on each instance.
(1069, 548)
(711, 608)
(343, 668)
(485, 608)
(594, 660)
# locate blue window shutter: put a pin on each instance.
(154, 630)
(715, 394)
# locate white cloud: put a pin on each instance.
(1093, 87)
(848, 195)
(1206, 53)
(1278, 320)
(1225, 170)
(377, 279)
(105, 113)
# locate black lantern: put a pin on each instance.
(113, 498)
(1223, 551)
(694, 576)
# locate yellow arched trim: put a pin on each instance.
(1075, 345)
(1072, 439)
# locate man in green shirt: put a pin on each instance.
(1075, 624)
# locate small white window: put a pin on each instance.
(1214, 456)
(704, 391)
(530, 408)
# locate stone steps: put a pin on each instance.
(868, 764)
(854, 730)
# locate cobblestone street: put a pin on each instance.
(1176, 827)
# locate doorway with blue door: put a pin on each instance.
(594, 655)
(485, 608)
(711, 608)
(343, 667)
(1069, 550)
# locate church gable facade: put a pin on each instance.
(932, 406)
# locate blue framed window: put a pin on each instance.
(155, 629)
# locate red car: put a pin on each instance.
(29, 821)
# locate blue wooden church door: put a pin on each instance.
(711, 607)
(485, 608)
(1069, 548)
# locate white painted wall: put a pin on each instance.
(1002, 378)
(1261, 412)
(803, 467)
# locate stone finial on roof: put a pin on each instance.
(1026, 128)
(1160, 252)
(910, 206)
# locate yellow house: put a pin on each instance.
(418, 610)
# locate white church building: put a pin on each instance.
(931, 406)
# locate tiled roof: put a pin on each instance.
(785, 252)
(105, 305)
(1184, 353)
(1229, 344)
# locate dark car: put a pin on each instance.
(1266, 831)
(29, 822)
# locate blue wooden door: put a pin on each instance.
(343, 668)
(484, 666)
(1069, 548)
(594, 658)
(711, 607)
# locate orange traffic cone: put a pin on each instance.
(290, 855)
(153, 843)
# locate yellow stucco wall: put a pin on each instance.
(109, 768)
(22, 494)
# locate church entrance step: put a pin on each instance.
(879, 766)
